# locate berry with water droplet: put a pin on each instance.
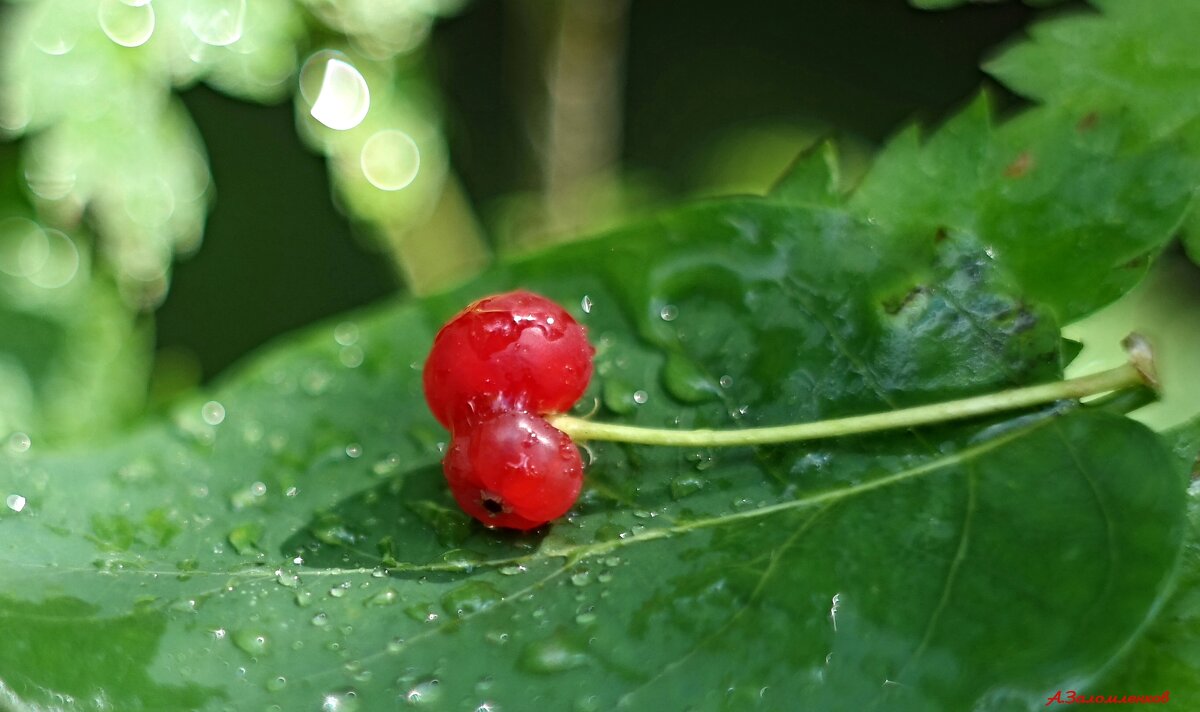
(494, 370)
(513, 352)
(514, 471)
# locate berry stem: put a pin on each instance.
(1138, 371)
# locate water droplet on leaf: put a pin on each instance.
(470, 598)
(384, 598)
(345, 701)
(250, 641)
(423, 693)
(686, 381)
(551, 655)
(685, 485)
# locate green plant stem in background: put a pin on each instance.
(1139, 371)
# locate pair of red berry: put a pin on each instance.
(494, 371)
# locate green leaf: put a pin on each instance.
(1167, 657)
(1045, 189)
(291, 542)
(1129, 58)
(813, 178)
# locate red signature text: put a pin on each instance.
(1070, 697)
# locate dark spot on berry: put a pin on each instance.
(940, 235)
(492, 505)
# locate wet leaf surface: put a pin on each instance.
(287, 541)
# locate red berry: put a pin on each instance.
(514, 471)
(512, 352)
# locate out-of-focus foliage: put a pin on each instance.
(89, 82)
(114, 172)
(74, 357)
(1123, 59)
(947, 4)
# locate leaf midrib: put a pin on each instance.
(576, 552)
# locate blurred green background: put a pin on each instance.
(492, 127)
(714, 101)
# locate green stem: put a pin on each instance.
(1138, 372)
